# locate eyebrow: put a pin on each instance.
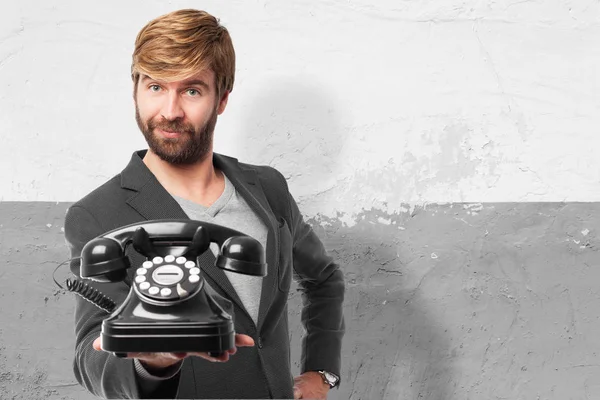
(199, 82)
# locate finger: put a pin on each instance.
(232, 351)
(222, 358)
(155, 356)
(243, 340)
(146, 356)
(297, 393)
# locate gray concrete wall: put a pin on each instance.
(457, 301)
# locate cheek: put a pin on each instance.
(195, 116)
(145, 112)
(147, 107)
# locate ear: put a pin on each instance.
(223, 103)
(136, 85)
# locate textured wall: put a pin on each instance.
(445, 151)
(495, 301)
(360, 103)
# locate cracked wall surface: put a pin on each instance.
(361, 104)
(457, 302)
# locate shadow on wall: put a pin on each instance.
(392, 348)
(395, 346)
(292, 125)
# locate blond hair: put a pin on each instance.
(180, 44)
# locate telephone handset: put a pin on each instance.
(170, 307)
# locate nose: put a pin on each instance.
(171, 109)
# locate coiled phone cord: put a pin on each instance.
(91, 294)
(87, 292)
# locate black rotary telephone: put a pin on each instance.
(170, 307)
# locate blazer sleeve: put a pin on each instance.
(322, 284)
(101, 373)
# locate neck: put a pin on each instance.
(200, 182)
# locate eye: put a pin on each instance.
(154, 88)
(193, 92)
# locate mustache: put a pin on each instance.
(171, 126)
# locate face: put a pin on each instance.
(178, 118)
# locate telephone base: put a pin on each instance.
(174, 337)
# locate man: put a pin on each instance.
(183, 72)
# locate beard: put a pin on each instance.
(191, 147)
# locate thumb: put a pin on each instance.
(97, 344)
(243, 340)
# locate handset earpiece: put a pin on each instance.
(103, 260)
(244, 255)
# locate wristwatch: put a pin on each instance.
(329, 378)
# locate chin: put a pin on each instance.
(180, 157)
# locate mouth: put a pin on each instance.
(170, 135)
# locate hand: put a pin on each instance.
(158, 361)
(310, 385)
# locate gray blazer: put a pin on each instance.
(293, 249)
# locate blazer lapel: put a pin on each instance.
(152, 201)
(247, 184)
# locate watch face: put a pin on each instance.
(331, 379)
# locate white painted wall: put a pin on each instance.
(360, 103)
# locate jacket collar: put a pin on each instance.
(151, 200)
(136, 174)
